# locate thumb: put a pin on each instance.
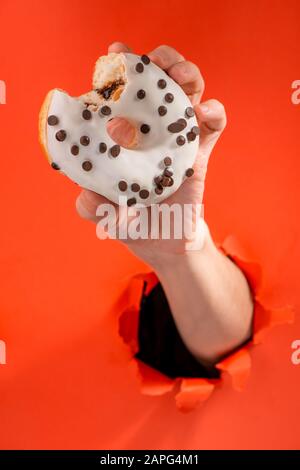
(87, 203)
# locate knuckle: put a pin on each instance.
(166, 49)
(192, 67)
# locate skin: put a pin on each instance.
(208, 295)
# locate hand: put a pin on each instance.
(208, 295)
(211, 120)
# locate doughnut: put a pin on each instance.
(73, 132)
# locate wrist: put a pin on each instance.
(187, 257)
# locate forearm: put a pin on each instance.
(209, 298)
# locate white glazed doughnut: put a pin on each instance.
(74, 136)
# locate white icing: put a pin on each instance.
(140, 165)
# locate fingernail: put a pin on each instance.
(204, 108)
(82, 210)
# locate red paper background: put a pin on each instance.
(66, 383)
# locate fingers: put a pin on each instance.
(185, 73)
(188, 76)
(87, 204)
(118, 47)
(165, 57)
(212, 121)
(210, 114)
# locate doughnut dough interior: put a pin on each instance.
(74, 137)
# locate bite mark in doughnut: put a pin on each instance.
(160, 156)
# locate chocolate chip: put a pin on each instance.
(166, 181)
(139, 67)
(84, 140)
(162, 83)
(131, 201)
(141, 94)
(102, 147)
(195, 130)
(61, 135)
(169, 98)
(158, 179)
(191, 136)
(182, 122)
(53, 120)
(144, 193)
(106, 93)
(86, 114)
(145, 128)
(189, 112)
(145, 59)
(162, 110)
(74, 150)
(158, 190)
(189, 172)
(122, 185)
(180, 140)
(87, 165)
(168, 161)
(115, 150)
(175, 127)
(168, 172)
(135, 187)
(170, 181)
(105, 110)
(55, 166)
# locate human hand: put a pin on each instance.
(211, 120)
